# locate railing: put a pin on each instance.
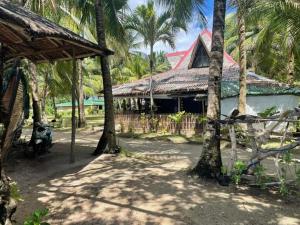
(141, 123)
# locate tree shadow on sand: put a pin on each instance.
(114, 190)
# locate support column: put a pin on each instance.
(178, 104)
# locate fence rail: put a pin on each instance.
(141, 123)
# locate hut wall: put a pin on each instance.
(257, 104)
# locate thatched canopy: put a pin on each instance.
(190, 72)
(26, 34)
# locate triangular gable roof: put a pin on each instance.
(184, 59)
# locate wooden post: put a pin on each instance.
(151, 95)
(1, 72)
(179, 104)
(72, 155)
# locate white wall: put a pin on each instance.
(256, 104)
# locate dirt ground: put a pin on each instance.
(151, 188)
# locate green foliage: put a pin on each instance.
(287, 157)
(238, 169)
(15, 192)
(178, 117)
(224, 170)
(37, 217)
(261, 178)
(143, 119)
(202, 119)
(268, 112)
(283, 188)
(298, 176)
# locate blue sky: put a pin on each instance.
(183, 39)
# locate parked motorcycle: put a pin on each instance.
(41, 140)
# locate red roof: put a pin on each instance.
(179, 59)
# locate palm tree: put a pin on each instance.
(272, 31)
(242, 6)
(80, 95)
(106, 16)
(210, 162)
(152, 28)
(183, 11)
(109, 135)
(280, 19)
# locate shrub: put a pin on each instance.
(177, 119)
(37, 218)
(238, 169)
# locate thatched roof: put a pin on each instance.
(26, 34)
(182, 79)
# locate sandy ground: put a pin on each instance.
(153, 189)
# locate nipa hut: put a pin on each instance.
(24, 34)
(184, 87)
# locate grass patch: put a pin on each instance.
(125, 153)
(177, 139)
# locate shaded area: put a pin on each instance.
(153, 189)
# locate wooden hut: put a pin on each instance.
(24, 34)
(184, 87)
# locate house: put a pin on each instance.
(184, 87)
(94, 103)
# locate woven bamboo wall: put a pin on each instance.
(142, 123)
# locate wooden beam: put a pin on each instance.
(41, 52)
(54, 42)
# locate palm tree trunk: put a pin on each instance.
(54, 107)
(7, 203)
(109, 135)
(44, 115)
(80, 97)
(151, 79)
(291, 69)
(210, 163)
(34, 94)
(73, 135)
(242, 62)
(1, 77)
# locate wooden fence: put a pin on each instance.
(140, 123)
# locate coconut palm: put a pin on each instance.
(280, 19)
(271, 38)
(183, 12)
(106, 17)
(242, 10)
(210, 162)
(152, 28)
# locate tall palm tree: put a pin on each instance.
(106, 16)
(210, 162)
(152, 28)
(280, 19)
(183, 11)
(242, 6)
(109, 135)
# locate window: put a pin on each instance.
(201, 58)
